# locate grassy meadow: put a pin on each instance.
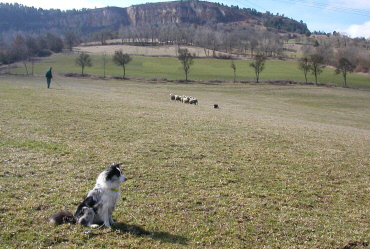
(203, 69)
(276, 166)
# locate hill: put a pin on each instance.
(22, 18)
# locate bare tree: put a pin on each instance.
(153, 33)
(253, 44)
(55, 43)
(6, 54)
(19, 46)
(122, 59)
(187, 59)
(307, 49)
(229, 41)
(258, 65)
(42, 42)
(83, 60)
(326, 51)
(32, 48)
(233, 66)
(286, 38)
(122, 33)
(344, 66)
(305, 66)
(363, 62)
(20, 50)
(70, 38)
(104, 56)
(317, 65)
(188, 34)
(205, 38)
(102, 36)
(270, 44)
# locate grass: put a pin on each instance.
(275, 166)
(203, 69)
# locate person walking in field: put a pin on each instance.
(48, 76)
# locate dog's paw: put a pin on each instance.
(94, 226)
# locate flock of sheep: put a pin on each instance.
(184, 99)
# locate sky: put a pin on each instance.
(350, 17)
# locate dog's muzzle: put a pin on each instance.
(122, 179)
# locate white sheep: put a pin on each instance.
(185, 99)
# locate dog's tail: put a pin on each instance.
(62, 217)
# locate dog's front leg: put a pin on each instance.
(105, 216)
(110, 213)
(102, 214)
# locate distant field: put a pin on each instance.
(203, 69)
(170, 50)
(273, 167)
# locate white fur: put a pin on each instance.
(106, 194)
(99, 204)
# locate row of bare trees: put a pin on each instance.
(84, 60)
(344, 59)
(216, 38)
(247, 41)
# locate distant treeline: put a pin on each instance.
(22, 18)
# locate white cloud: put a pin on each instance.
(351, 4)
(355, 30)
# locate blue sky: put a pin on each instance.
(351, 17)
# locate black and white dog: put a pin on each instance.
(98, 206)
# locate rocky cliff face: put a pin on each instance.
(157, 13)
(20, 17)
(182, 12)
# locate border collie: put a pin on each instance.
(98, 206)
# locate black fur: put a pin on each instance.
(113, 171)
(88, 202)
(62, 217)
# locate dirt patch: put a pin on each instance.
(167, 50)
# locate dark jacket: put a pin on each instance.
(48, 74)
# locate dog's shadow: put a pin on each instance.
(139, 232)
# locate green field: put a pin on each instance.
(203, 69)
(276, 166)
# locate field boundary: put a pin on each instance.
(189, 82)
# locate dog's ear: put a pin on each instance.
(113, 170)
(113, 165)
